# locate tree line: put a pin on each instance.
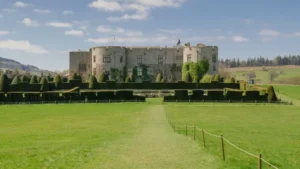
(261, 61)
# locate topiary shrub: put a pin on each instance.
(16, 80)
(271, 94)
(163, 80)
(206, 79)
(45, 84)
(187, 77)
(102, 78)
(79, 78)
(24, 79)
(73, 76)
(4, 83)
(57, 81)
(39, 79)
(127, 80)
(159, 77)
(229, 80)
(33, 80)
(217, 78)
(93, 82)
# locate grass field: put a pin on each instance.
(262, 76)
(137, 135)
(291, 91)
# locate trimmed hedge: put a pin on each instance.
(89, 95)
(4, 83)
(105, 95)
(14, 97)
(197, 95)
(271, 94)
(2, 97)
(32, 97)
(251, 95)
(124, 95)
(181, 95)
(25, 87)
(214, 95)
(233, 95)
(50, 97)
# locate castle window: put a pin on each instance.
(121, 59)
(178, 57)
(94, 71)
(189, 58)
(140, 72)
(214, 58)
(82, 67)
(106, 59)
(129, 71)
(160, 60)
(94, 59)
(139, 60)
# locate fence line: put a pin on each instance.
(259, 157)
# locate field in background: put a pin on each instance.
(286, 74)
(270, 130)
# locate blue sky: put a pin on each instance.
(42, 32)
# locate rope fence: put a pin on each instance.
(223, 139)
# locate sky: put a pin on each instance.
(41, 33)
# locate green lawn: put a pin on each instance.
(137, 135)
(291, 91)
(271, 130)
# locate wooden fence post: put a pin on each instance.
(223, 149)
(194, 132)
(259, 161)
(185, 129)
(203, 137)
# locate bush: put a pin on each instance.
(124, 95)
(127, 80)
(215, 95)
(229, 80)
(4, 83)
(197, 95)
(93, 82)
(217, 78)
(251, 95)
(57, 81)
(187, 77)
(159, 77)
(24, 79)
(102, 77)
(45, 85)
(271, 94)
(206, 79)
(16, 80)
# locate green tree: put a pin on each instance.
(33, 80)
(159, 77)
(127, 80)
(57, 81)
(203, 65)
(185, 69)
(134, 74)
(194, 72)
(4, 83)
(187, 77)
(45, 84)
(92, 82)
(16, 80)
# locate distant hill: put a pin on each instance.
(9, 64)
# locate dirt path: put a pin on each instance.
(155, 146)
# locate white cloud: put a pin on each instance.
(83, 27)
(297, 34)
(24, 46)
(30, 23)
(20, 4)
(74, 33)
(118, 30)
(1, 16)
(68, 12)
(139, 9)
(4, 33)
(239, 39)
(171, 31)
(59, 24)
(42, 11)
(269, 32)
(7, 10)
(248, 21)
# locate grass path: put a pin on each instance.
(154, 146)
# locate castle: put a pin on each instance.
(146, 61)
